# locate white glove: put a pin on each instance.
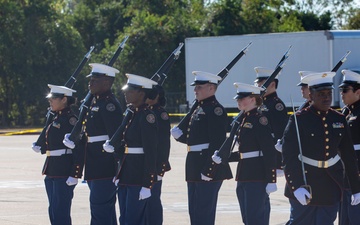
(270, 188)
(279, 173)
(115, 181)
(67, 142)
(355, 199)
(176, 132)
(278, 145)
(35, 147)
(301, 194)
(205, 178)
(71, 181)
(108, 147)
(144, 193)
(216, 158)
(159, 177)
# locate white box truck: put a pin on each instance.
(313, 51)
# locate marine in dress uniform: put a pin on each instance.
(205, 133)
(63, 167)
(155, 209)
(104, 116)
(273, 108)
(326, 148)
(137, 172)
(304, 89)
(305, 94)
(350, 93)
(256, 169)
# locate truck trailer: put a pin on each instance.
(317, 51)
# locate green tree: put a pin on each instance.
(353, 23)
(37, 48)
(224, 18)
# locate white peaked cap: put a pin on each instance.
(302, 75)
(244, 90)
(98, 68)
(59, 90)
(205, 77)
(350, 77)
(263, 73)
(139, 82)
(317, 80)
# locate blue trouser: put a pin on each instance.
(202, 200)
(252, 199)
(311, 215)
(348, 214)
(154, 209)
(102, 202)
(132, 210)
(59, 196)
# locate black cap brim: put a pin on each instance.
(242, 95)
(348, 83)
(301, 84)
(131, 87)
(55, 95)
(259, 79)
(322, 86)
(199, 82)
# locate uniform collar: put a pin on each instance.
(318, 112)
(252, 112)
(103, 95)
(64, 111)
(207, 100)
(155, 106)
(141, 107)
(270, 96)
(354, 105)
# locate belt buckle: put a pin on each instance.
(241, 155)
(323, 164)
(126, 150)
(188, 148)
(47, 153)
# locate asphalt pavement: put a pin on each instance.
(23, 199)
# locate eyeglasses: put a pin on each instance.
(345, 90)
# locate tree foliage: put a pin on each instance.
(42, 41)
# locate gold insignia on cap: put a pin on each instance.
(73, 120)
(164, 116)
(263, 121)
(324, 75)
(279, 107)
(110, 107)
(218, 111)
(150, 118)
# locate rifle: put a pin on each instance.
(159, 76)
(226, 147)
(70, 83)
(223, 74)
(341, 61)
(75, 136)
